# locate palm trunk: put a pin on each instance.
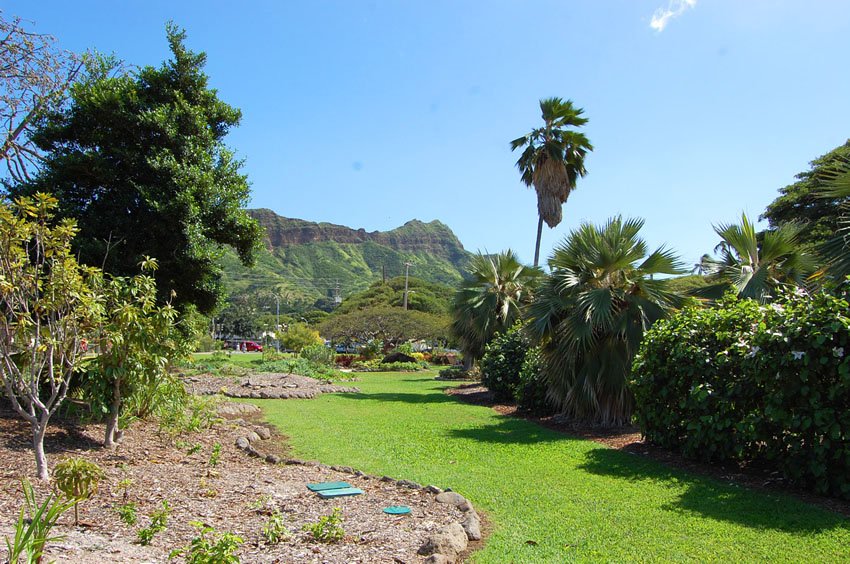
(537, 246)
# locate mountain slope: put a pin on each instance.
(304, 261)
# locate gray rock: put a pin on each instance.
(451, 498)
(252, 437)
(242, 443)
(272, 458)
(438, 559)
(449, 541)
(408, 484)
(293, 462)
(386, 479)
(433, 489)
(472, 525)
(360, 473)
(263, 433)
(466, 507)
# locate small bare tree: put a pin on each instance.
(35, 75)
(47, 307)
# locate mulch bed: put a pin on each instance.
(629, 439)
(235, 495)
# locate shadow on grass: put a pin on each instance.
(436, 397)
(510, 430)
(709, 498)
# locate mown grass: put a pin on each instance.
(552, 498)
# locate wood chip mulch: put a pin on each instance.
(629, 439)
(236, 495)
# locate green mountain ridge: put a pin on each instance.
(303, 261)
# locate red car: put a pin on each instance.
(251, 346)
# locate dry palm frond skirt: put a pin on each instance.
(553, 187)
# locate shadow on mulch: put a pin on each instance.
(703, 497)
(62, 434)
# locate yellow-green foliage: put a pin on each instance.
(299, 336)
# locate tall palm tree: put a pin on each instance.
(757, 264)
(553, 160)
(590, 315)
(490, 300)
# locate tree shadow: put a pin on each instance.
(510, 430)
(436, 397)
(709, 498)
(62, 435)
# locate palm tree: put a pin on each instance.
(553, 160)
(757, 264)
(490, 300)
(590, 315)
(836, 251)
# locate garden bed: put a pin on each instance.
(237, 494)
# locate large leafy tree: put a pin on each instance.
(552, 160)
(590, 315)
(756, 264)
(141, 163)
(804, 200)
(836, 249)
(490, 301)
(390, 325)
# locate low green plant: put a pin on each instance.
(159, 522)
(32, 530)
(275, 531)
(188, 414)
(261, 504)
(77, 479)
(502, 362)
(328, 528)
(375, 365)
(209, 548)
(123, 486)
(127, 513)
(318, 354)
(457, 372)
(215, 455)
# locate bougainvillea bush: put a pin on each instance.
(746, 382)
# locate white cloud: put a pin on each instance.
(674, 9)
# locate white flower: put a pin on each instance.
(777, 308)
(753, 352)
(838, 352)
(798, 354)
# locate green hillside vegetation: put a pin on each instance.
(425, 296)
(304, 261)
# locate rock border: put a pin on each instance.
(443, 546)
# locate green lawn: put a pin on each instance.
(575, 499)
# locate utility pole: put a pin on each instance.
(407, 266)
(277, 324)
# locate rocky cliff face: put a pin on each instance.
(414, 236)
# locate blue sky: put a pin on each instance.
(371, 113)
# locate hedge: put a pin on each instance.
(745, 382)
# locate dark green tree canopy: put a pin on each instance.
(392, 325)
(139, 161)
(429, 297)
(802, 202)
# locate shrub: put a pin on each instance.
(275, 530)
(502, 362)
(743, 382)
(127, 513)
(457, 372)
(299, 336)
(77, 479)
(345, 360)
(318, 354)
(377, 366)
(531, 393)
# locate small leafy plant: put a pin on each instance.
(33, 533)
(328, 528)
(127, 513)
(215, 455)
(275, 531)
(159, 522)
(209, 548)
(77, 479)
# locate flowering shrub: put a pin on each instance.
(502, 362)
(746, 382)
